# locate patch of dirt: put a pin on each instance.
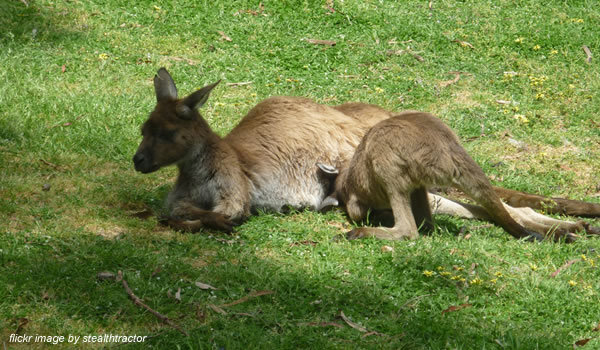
(107, 231)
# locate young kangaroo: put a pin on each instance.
(395, 164)
(266, 162)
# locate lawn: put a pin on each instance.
(511, 77)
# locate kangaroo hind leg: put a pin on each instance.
(404, 223)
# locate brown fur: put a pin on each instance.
(397, 160)
(266, 162)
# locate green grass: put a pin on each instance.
(77, 130)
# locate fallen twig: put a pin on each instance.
(247, 297)
(564, 267)
(456, 308)
(588, 53)
(402, 52)
(137, 301)
(49, 164)
(217, 309)
(224, 36)
(239, 84)
(352, 324)
(450, 82)
(322, 324)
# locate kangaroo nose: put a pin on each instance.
(138, 158)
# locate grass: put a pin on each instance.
(76, 85)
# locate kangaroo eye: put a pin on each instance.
(167, 135)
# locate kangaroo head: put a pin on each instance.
(173, 126)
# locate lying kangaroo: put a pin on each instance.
(266, 162)
(394, 165)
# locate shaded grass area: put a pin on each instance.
(76, 84)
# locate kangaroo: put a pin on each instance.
(267, 162)
(394, 165)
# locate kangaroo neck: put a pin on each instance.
(201, 157)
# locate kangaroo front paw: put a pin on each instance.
(354, 234)
(220, 222)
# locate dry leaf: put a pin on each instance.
(247, 297)
(503, 102)
(581, 342)
(456, 308)
(352, 324)
(63, 68)
(387, 249)
(21, 322)
(45, 295)
(321, 42)
(204, 286)
(464, 43)
(597, 328)
(563, 267)
(224, 36)
(105, 276)
(217, 309)
(588, 53)
(178, 295)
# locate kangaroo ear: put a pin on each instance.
(198, 98)
(164, 86)
(328, 169)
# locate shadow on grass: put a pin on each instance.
(23, 23)
(53, 283)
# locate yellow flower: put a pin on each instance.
(540, 96)
(493, 280)
(521, 118)
(440, 268)
(378, 90)
(498, 274)
(554, 52)
(519, 40)
(103, 56)
(455, 278)
(572, 283)
(537, 47)
(445, 273)
(428, 273)
(533, 267)
(571, 86)
(476, 281)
